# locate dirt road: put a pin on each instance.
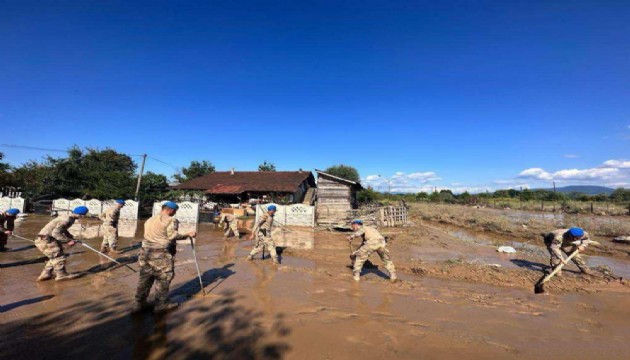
(458, 298)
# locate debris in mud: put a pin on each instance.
(506, 249)
(622, 240)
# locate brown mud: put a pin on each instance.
(457, 298)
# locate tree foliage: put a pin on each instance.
(4, 172)
(153, 187)
(266, 166)
(195, 170)
(344, 172)
(89, 173)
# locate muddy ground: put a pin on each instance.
(458, 298)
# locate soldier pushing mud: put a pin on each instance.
(157, 258)
(7, 224)
(110, 219)
(49, 242)
(262, 233)
(230, 225)
(372, 241)
(563, 240)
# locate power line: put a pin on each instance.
(177, 168)
(32, 148)
(46, 149)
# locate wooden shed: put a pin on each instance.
(336, 197)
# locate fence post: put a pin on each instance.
(542, 205)
(591, 207)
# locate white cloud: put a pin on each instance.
(402, 182)
(619, 164)
(571, 156)
(609, 173)
(535, 174)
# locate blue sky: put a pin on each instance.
(467, 95)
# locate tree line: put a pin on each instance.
(105, 174)
(96, 174)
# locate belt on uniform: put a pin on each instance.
(154, 250)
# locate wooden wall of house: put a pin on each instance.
(334, 200)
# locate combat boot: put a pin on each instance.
(163, 307)
(104, 249)
(138, 306)
(3, 248)
(393, 278)
(45, 275)
(62, 276)
(275, 261)
(250, 257)
(356, 277)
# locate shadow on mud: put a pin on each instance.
(103, 329)
(191, 287)
(9, 307)
(536, 266)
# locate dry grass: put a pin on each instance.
(522, 224)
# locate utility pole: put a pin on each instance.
(554, 196)
(144, 159)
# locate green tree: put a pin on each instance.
(620, 195)
(367, 195)
(91, 173)
(153, 187)
(30, 177)
(344, 172)
(195, 170)
(4, 172)
(266, 166)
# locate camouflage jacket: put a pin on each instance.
(369, 235)
(264, 223)
(160, 232)
(58, 228)
(562, 236)
(110, 217)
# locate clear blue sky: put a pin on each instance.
(459, 94)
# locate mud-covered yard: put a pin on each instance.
(458, 298)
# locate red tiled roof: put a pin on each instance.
(224, 182)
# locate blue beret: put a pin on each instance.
(80, 210)
(271, 208)
(120, 201)
(576, 232)
(358, 222)
(170, 204)
(13, 211)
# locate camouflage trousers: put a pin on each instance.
(230, 229)
(53, 250)
(263, 242)
(556, 248)
(365, 250)
(110, 237)
(155, 266)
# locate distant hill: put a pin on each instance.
(588, 190)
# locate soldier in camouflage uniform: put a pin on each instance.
(562, 240)
(49, 242)
(7, 224)
(157, 258)
(372, 241)
(230, 225)
(262, 232)
(110, 227)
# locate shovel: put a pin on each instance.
(539, 287)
